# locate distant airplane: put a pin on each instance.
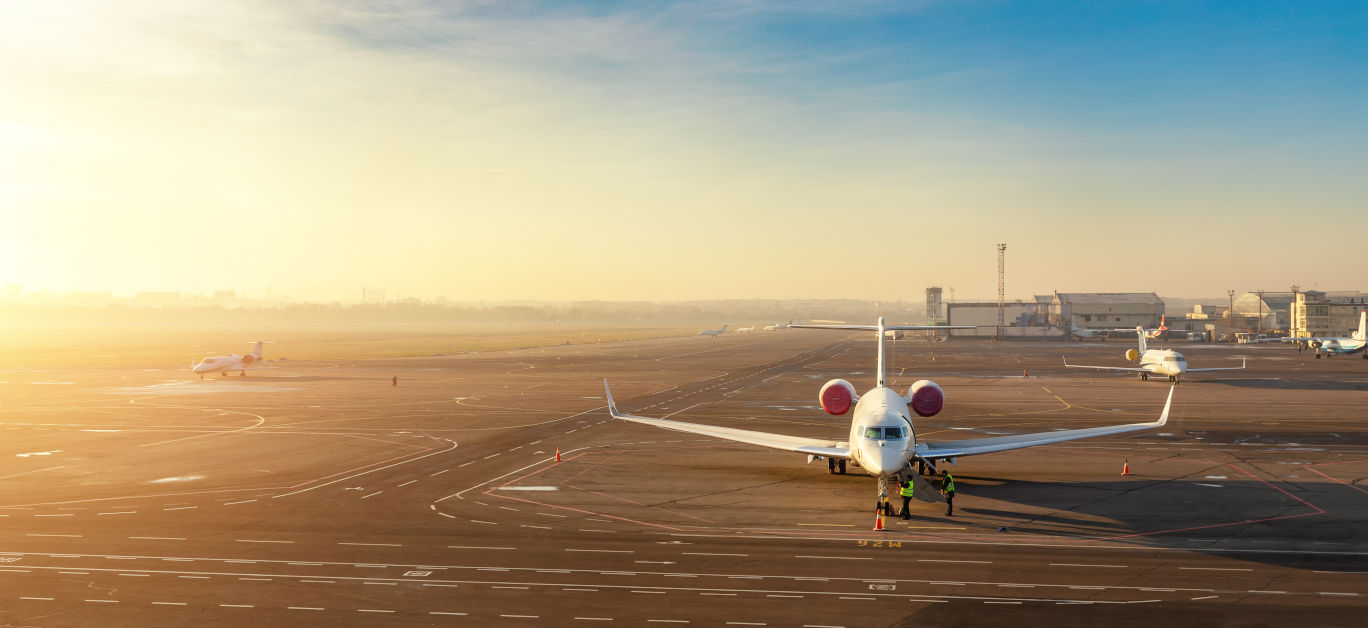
(1088, 334)
(882, 438)
(713, 332)
(1155, 361)
(778, 326)
(225, 364)
(745, 330)
(1340, 345)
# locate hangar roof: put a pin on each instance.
(1143, 298)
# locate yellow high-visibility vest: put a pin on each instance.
(906, 491)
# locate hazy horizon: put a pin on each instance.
(681, 151)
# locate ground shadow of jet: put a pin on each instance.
(1288, 384)
(1242, 519)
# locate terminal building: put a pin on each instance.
(1055, 316)
(1316, 313)
(1105, 310)
(1020, 320)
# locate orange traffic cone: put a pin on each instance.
(878, 520)
(558, 454)
(1125, 467)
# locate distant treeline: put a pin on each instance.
(735, 312)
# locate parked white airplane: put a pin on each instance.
(713, 332)
(1353, 344)
(225, 364)
(778, 326)
(882, 439)
(1089, 334)
(745, 330)
(1165, 362)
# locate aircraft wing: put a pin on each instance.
(886, 327)
(956, 448)
(810, 446)
(1243, 362)
(1106, 368)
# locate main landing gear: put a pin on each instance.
(835, 466)
(1144, 377)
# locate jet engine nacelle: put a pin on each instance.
(248, 359)
(925, 397)
(1132, 355)
(837, 396)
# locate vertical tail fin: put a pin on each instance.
(880, 374)
(256, 351)
(1363, 326)
(1140, 331)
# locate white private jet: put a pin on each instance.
(1084, 333)
(1165, 362)
(713, 332)
(1339, 345)
(778, 326)
(225, 364)
(882, 439)
(745, 330)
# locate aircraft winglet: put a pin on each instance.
(1163, 418)
(612, 408)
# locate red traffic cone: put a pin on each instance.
(1125, 467)
(878, 521)
(558, 454)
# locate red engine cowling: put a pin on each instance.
(837, 396)
(926, 397)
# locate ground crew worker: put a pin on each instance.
(905, 489)
(395, 381)
(948, 490)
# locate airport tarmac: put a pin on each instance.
(322, 494)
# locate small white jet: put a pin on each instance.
(1166, 362)
(1340, 345)
(713, 332)
(882, 438)
(745, 330)
(225, 364)
(778, 326)
(1088, 334)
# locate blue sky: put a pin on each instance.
(705, 149)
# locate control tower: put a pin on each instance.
(935, 310)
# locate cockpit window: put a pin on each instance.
(883, 433)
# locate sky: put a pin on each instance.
(682, 150)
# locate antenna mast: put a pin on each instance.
(1002, 251)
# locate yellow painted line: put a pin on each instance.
(831, 525)
(931, 528)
